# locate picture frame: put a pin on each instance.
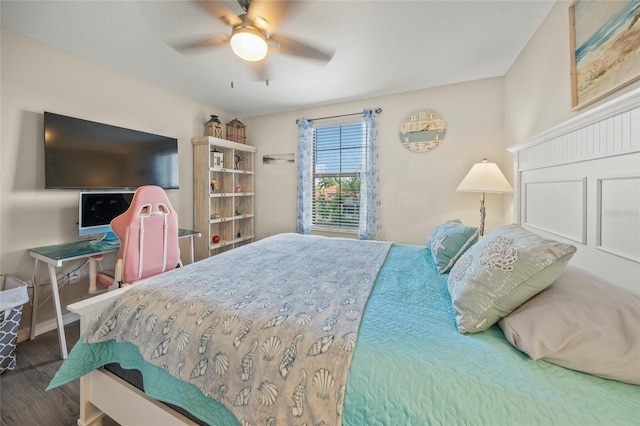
(605, 48)
(270, 159)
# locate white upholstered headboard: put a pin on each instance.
(579, 182)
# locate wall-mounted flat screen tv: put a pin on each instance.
(82, 154)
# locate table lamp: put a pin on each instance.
(484, 177)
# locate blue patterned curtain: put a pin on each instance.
(305, 175)
(369, 180)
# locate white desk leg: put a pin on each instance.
(34, 304)
(191, 247)
(93, 287)
(56, 300)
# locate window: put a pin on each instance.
(337, 153)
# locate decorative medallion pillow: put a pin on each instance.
(449, 241)
(501, 272)
(583, 323)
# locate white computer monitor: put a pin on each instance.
(96, 210)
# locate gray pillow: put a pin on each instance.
(582, 323)
(502, 271)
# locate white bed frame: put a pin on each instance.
(102, 392)
(578, 182)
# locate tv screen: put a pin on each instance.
(81, 154)
(96, 210)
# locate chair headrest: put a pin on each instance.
(155, 200)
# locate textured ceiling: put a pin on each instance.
(381, 47)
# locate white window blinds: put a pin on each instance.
(337, 153)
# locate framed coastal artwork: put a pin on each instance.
(605, 48)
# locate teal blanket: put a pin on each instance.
(411, 366)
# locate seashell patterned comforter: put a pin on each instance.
(268, 330)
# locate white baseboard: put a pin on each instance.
(47, 326)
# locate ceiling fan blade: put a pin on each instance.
(207, 42)
(220, 11)
(288, 46)
(274, 12)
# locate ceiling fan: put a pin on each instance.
(253, 34)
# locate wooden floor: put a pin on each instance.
(23, 401)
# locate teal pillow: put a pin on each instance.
(449, 241)
(501, 272)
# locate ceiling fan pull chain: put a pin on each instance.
(232, 68)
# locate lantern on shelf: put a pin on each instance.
(236, 131)
(213, 127)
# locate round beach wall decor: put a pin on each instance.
(422, 130)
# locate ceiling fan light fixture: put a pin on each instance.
(249, 43)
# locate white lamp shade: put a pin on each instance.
(484, 177)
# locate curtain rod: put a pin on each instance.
(378, 111)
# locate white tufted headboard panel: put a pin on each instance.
(579, 182)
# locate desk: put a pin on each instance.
(54, 256)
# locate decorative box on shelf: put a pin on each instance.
(236, 131)
(217, 159)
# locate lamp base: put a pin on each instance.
(483, 215)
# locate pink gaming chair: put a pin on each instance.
(148, 233)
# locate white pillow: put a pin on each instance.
(582, 323)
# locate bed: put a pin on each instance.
(410, 363)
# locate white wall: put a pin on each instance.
(417, 189)
(483, 117)
(37, 78)
(537, 87)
